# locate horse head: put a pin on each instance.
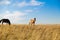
(35, 19)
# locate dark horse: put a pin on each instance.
(5, 21)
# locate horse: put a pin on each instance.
(5, 21)
(32, 21)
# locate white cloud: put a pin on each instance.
(22, 4)
(5, 2)
(36, 3)
(28, 11)
(14, 16)
(31, 3)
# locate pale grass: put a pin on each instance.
(28, 32)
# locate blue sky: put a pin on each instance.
(21, 11)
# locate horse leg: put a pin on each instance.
(9, 23)
(2, 23)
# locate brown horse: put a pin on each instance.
(32, 21)
(5, 21)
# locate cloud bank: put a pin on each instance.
(31, 3)
(16, 7)
(14, 16)
(5, 2)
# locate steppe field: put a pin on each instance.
(28, 32)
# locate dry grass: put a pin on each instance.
(26, 32)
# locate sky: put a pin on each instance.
(21, 11)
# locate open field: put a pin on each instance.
(26, 32)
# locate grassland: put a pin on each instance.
(28, 32)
